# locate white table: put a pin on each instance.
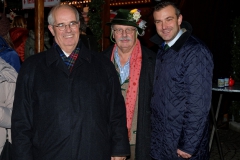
(233, 89)
(215, 88)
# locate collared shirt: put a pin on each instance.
(181, 31)
(65, 53)
(69, 60)
(123, 71)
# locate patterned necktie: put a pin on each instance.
(166, 46)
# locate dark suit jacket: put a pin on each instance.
(63, 115)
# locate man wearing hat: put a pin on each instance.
(135, 66)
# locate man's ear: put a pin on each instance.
(50, 27)
(180, 19)
(113, 36)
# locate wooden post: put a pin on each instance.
(39, 26)
(106, 28)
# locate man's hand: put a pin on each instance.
(118, 158)
(183, 154)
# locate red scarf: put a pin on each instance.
(132, 91)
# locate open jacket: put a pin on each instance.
(144, 112)
(181, 98)
(63, 115)
(8, 76)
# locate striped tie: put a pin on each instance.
(166, 46)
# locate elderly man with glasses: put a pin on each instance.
(68, 103)
(134, 64)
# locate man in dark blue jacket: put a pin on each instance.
(182, 89)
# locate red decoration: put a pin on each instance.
(231, 82)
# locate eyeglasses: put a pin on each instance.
(127, 31)
(62, 26)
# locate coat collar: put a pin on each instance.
(108, 52)
(179, 43)
(84, 54)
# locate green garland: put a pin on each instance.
(95, 9)
(235, 107)
(236, 49)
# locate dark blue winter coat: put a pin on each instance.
(181, 98)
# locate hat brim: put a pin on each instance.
(125, 23)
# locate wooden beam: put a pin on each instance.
(39, 26)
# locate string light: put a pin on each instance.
(77, 3)
(127, 3)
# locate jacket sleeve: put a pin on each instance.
(6, 107)
(198, 91)
(22, 115)
(120, 144)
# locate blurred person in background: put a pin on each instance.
(87, 38)
(86, 34)
(4, 29)
(8, 76)
(19, 35)
(30, 42)
(7, 51)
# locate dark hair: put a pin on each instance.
(83, 26)
(19, 21)
(164, 4)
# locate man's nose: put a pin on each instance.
(164, 24)
(68, 28)
(124, 33)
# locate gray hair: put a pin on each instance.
(51, 19)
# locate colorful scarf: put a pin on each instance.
(70, 60)
(132, 91)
